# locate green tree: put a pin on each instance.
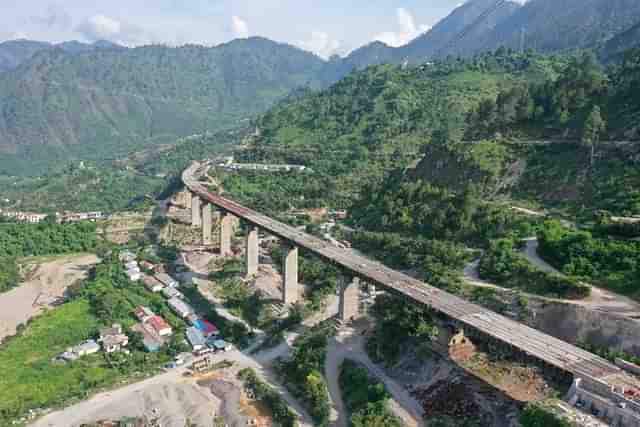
(593, 127)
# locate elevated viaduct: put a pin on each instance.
(589, 371)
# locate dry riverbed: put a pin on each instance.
(45, 284)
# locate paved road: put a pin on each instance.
(533, 342)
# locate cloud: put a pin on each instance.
(239, 27)
(19, 35)
(322, 44)
(56, 17)
(408, 30)
(101, 27)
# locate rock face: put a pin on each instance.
(576, 324)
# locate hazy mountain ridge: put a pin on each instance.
(552, 25)
(15, 52)
(80, 101)
(106, 102)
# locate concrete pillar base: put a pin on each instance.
(196, 217)
(207, 223)
(290, 271)
(226, 230)
(349, 300)
(252, 252)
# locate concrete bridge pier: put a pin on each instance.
(226, 230)
(196, 218)
(207, 223)
(349, 300)
(290, 272)
(252, 251)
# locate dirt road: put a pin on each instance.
(47, 283)
(349, 344)
(170, 397)
(599, 300)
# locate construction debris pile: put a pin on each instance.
(451, 398)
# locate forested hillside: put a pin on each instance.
(381, 118)
(465, 119)
(106, 103)
(14, 52)
(92, 102)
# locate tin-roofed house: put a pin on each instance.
(196, 339)
(152, 284)
(207, 329)
(167, 280)
(180, 307)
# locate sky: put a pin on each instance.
(324, 27)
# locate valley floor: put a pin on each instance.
(46, 283)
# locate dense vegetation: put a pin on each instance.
(504, 266)
(436, 260)
(398, 326)
(31, 378)
(602, 261)
(9, 273)
(140, 97)
(583, 102)
(537, 416)
(365, 397)
(20, 240)
(47, 238)
(302, 372)
(415, 207)
(262, 392)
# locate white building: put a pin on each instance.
(172, 293)
(152, 284)
(134, 275)
(180, 307)
(167, 280)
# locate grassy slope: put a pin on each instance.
(30, 380)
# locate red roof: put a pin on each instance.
(158, 323)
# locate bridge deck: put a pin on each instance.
(544, 347)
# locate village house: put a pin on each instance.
(166, 280)
(132, 265)
(134, 275)
(206, 328)
(84, 349)
(127, 256)
(196, 339)
(159, 326)
(147, 266)
(143, 313)
(180, 307)
(113, 339)
(152, 284)
(172, 293)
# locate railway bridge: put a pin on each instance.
(595, 379)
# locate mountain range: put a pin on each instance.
(15, 52)
(94, 101)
